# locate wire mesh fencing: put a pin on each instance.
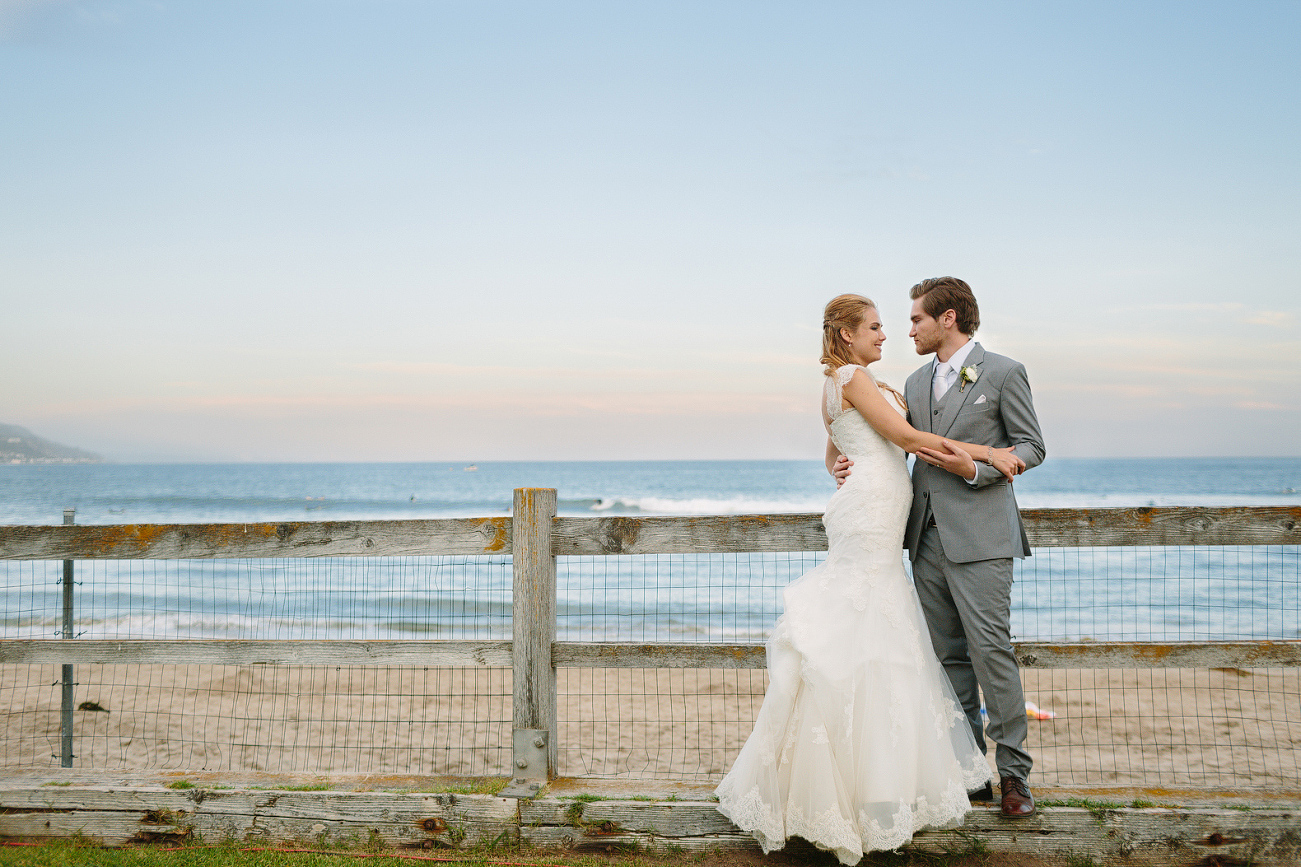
(1232, 727)
(1226, 727)
(264, 718)
(354, 598)
(273, 718)
(1131, 726)
(1169, 593)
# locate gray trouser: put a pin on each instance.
(968, 607)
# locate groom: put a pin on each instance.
(964, 528)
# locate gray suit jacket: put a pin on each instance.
(979, 522)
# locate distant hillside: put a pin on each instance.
(20, 446)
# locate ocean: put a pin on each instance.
(1127, 594)
(212, 493)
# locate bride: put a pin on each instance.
(860, 741)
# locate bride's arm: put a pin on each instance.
(865, 397)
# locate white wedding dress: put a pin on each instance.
(860, 741)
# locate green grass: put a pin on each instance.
(72, 853)
(1097, 809)
(79, 854)
(471, 786)
(307, 787)
(180, 784)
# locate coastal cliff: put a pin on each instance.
(20, 446)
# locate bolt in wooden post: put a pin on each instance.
(534, 616)
(65, 716)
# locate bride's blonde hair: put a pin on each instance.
(845, 311)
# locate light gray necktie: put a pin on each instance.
(941, 384)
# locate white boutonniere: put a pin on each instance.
(970, 373)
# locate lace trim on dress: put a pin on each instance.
(750, 812)
(834, 832)
(835, 388)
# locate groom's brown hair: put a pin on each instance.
(949, 293)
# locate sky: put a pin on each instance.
(473, 231)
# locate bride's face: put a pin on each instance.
(865, 341)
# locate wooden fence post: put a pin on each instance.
(534, 751)
(66, 675)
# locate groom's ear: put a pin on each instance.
(949, 318)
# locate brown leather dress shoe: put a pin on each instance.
(1017, 800)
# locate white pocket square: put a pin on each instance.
(979, 400)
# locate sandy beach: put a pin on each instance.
(1163, 727)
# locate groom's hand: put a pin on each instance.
(841, 469)
(953, 459)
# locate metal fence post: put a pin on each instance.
(65, 721)
(534, 751)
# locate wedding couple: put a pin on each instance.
(871, 727)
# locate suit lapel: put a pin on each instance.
(956, 402)
(923, 398)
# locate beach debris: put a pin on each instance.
(92, 705)
(1033, 711)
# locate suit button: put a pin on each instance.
(936, 412)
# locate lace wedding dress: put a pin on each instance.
(860, 740)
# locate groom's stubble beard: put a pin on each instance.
(926, 345)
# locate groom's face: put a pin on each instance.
(927, 333)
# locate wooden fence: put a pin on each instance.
(534, 537)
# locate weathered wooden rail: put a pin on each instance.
(130, 815)
(535, 536)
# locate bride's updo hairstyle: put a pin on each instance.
(846, 311)
(843, 311)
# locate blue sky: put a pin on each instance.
(477, 231)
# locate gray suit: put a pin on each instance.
(962, 537)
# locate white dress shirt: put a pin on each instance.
(955, 363)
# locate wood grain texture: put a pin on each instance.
(613, 842)
(1070, 528)
(678, 535)
(534, 624)
(499, 654)
(118, 817)
(1092, 654)
(1179, 654)
(1047, 528)
(439, 654)
(1133, 837)
(592, 655)
(1122, 836)
(456, 536)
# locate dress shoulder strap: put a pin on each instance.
(835, 387)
